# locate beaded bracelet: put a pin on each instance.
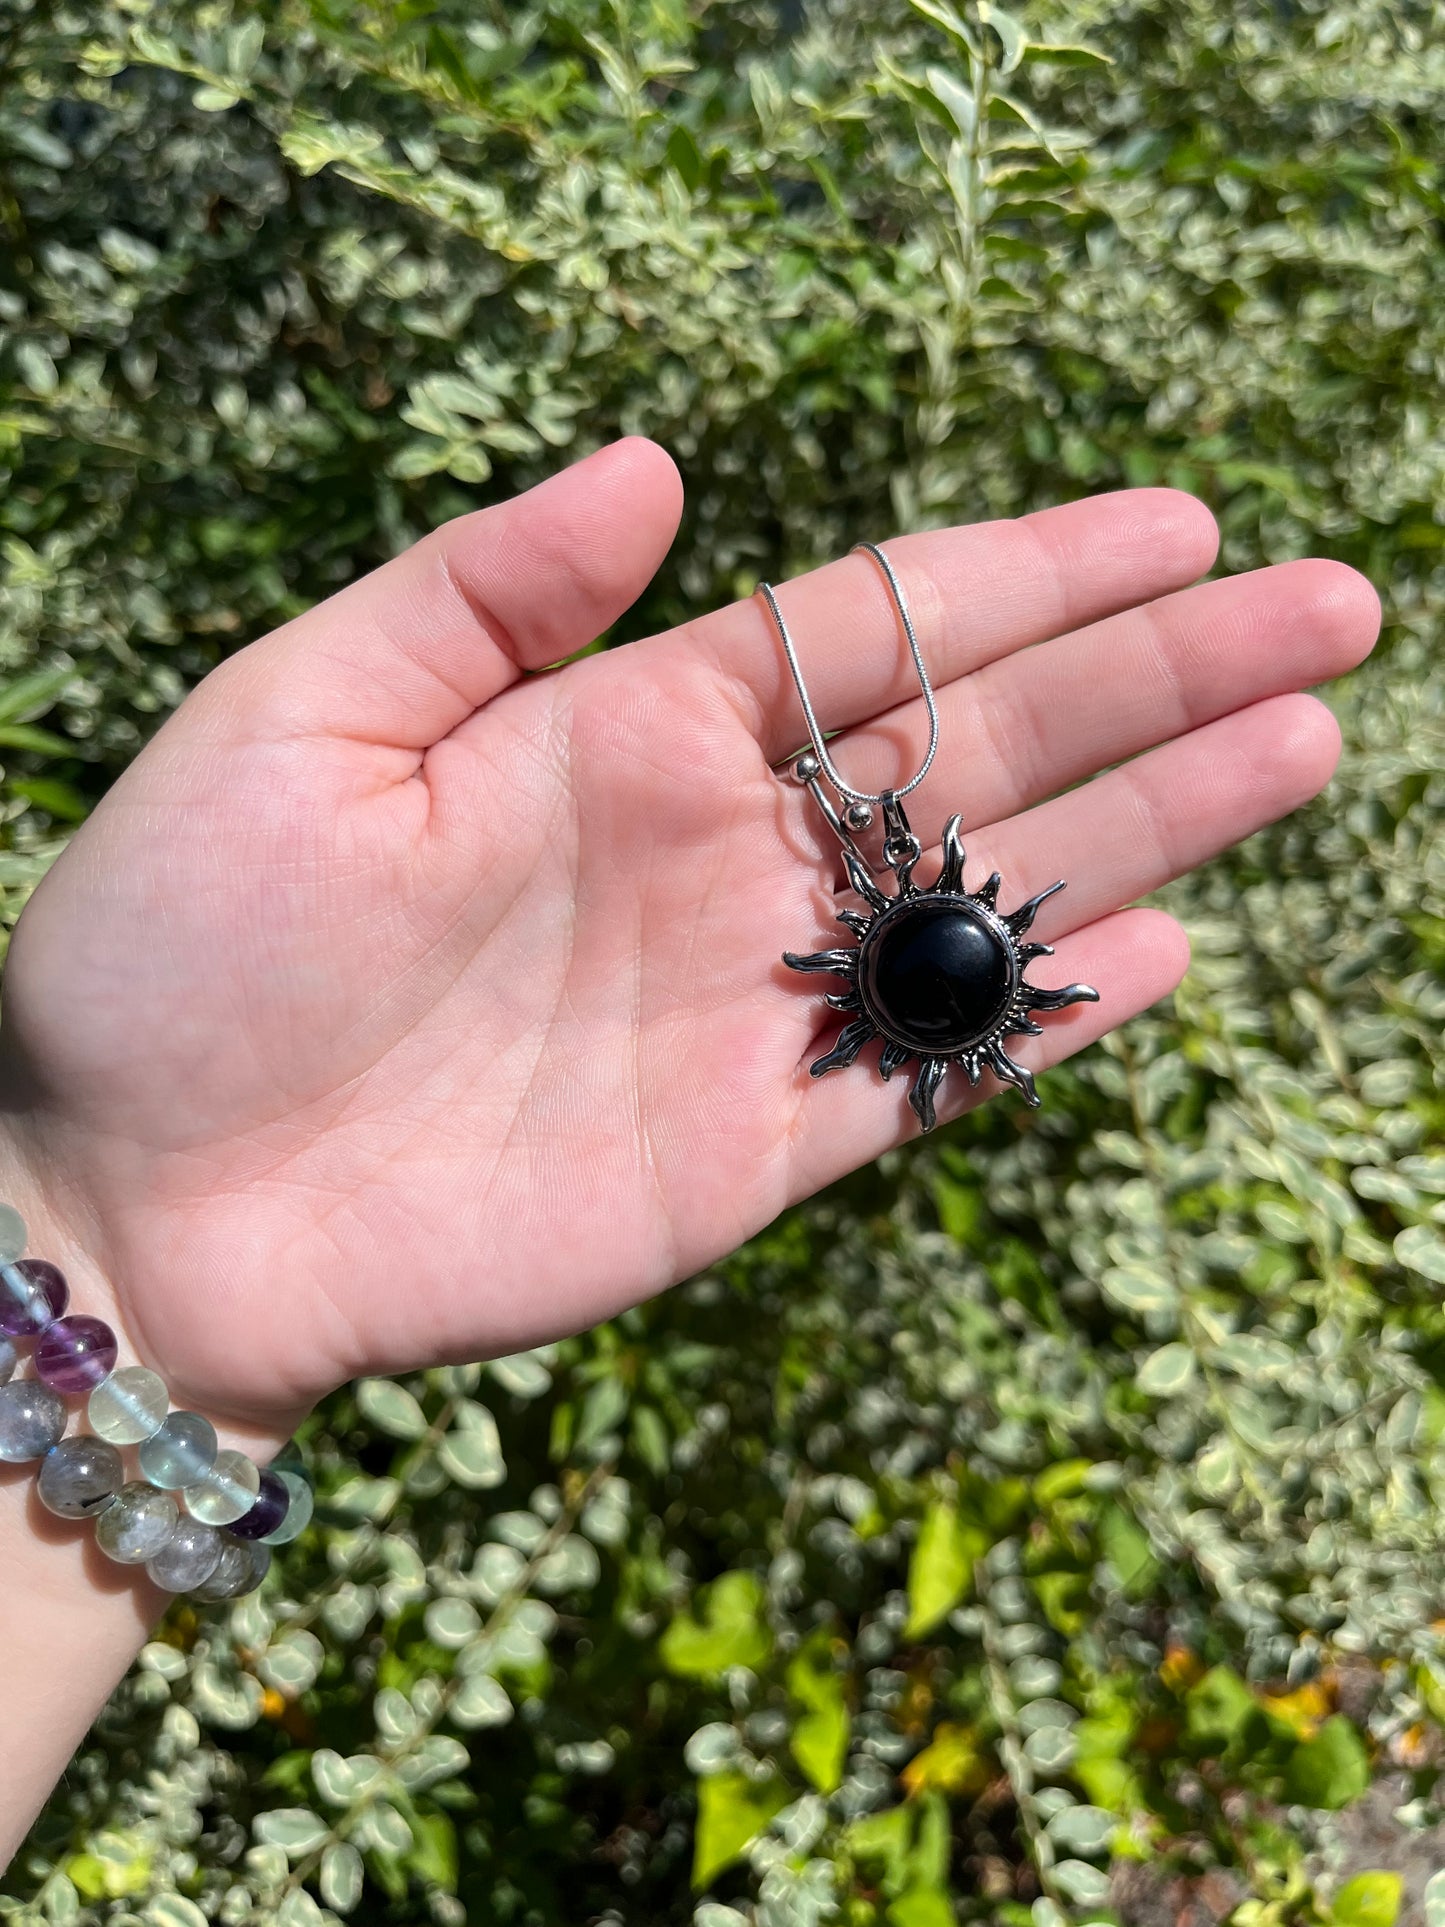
(199, 1519)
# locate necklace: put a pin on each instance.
(937, 973)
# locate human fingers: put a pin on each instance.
(975, 594)
(403, 656)
(1031, 724)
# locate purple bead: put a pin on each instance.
(75, 1354)
(33, 1292)
(271, 1507)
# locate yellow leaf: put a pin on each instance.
(950, 1763)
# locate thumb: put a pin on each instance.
(409, 652)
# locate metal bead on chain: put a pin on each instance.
(198, 1518)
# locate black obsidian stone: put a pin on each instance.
(935, 974)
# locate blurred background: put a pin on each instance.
(1045, 1526)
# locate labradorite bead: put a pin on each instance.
(241, 1568)
(182, 1451)
(139, 1523)
(301, 1501)
(7, 1361)
(272, 1503)
(12, 1234)
(227, 1492)
(188, 1558)
(32, 1418)
(74, 1354)
(129, 1406)
(935, 975)
(81, 1476)
(33, 1293)
(232, 1571)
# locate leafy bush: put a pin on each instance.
(1059, 1530)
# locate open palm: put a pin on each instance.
(400, 1005)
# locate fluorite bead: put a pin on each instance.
(75, 1354)
(227, 1492)
(272, 1502)
(7, 1361)
(188, 1558)
(33, 1293)
(13, 1234)
(138, 1524)
(182, 1451)
(298, 1510)
(129, 1406)
(32, 1418)
(81, 1476)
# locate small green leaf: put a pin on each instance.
(57, 799)
(30, 696)
(391, 1408)
(941, 1566)
(482, 1701)
(684, 158)
(343, 1876)
(1421, 1248)
(1331, 1769)
(296, 1829)
(729, 1632)
(1217, 1707)
(732, 1811)
(1369, 1900)
(1167, 1372)
(820, 1737)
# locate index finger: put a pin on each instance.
(975, 594)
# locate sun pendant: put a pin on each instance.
(938, 974)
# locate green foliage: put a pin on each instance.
(1064, 1493)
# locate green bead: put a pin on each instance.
(180, 1453)
(12, 1234)
(298, 1513)
(227, 1492)
(129, 1407)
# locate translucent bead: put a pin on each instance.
(74, 1354)
(129, 1406)
(243, 1564)
(81, 1476)
(227, 1492)
(32, 1418)
(272, 1501)
(139, 1523)
(188, 1558)
(13, 1234)
(301, 1501)
(7, 1361)
(182, 1451)
(33, 1293)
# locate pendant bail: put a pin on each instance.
(901, 848)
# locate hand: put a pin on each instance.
(401, 1005)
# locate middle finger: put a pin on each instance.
(1031, 724)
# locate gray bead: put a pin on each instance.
(80, 1477)
(243, 1565)
(188, 1557)
(32, 1418)
(136, 1527)
(7, 1361)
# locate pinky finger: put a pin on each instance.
(846, 1119)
